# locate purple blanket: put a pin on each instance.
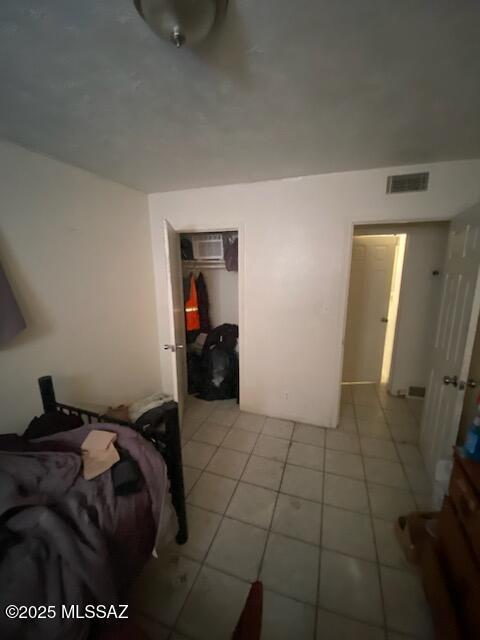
(66, 540)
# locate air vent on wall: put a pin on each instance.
(407, 182)
(416, 392)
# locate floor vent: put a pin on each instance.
(416, 392)
(407, 182)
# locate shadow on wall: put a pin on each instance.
(78, 390)
(34, 312)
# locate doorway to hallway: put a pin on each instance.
(375, 279)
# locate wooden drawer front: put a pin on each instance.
(461, 568)
(445, 620)
(467, 506)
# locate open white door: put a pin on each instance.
(368, 302)
(176, 314)
(455, 334)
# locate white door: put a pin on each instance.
(454, 338)
(176, 311)
(368, 301)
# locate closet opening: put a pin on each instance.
(211, 300)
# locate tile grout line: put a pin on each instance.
(364, 479)
(395, 443)
(217, 447)
(203, 563)
(177, 618)
(404, 465)
(317, 502)
(370, 513)
(269, 529)
(286, 493)
(398, 455)
(400, 459)
(406, 490)
(201, 470)
(257, 434)
(320, 546)
(290, 536)
(173, 627)
(278, 491)
(222, 517)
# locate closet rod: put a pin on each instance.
(198, 265)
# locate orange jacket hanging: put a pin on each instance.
(192, 317)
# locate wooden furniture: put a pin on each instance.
(164, 434)
(451, 563)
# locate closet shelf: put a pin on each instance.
(204, 264)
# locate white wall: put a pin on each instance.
(222, 288)
(297, 235)
(77, 251)
(419, 300)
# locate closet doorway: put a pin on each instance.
(211, 301)
(204, 292)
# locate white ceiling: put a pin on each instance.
(285, 88)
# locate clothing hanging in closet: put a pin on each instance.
(192, 316)
(203, 304)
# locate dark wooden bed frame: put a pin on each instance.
(164, 434)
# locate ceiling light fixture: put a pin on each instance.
(181, 21)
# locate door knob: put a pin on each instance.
(469, 383)
(453, 380)
(173, 347)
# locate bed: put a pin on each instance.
(165, 437)
(65, 540)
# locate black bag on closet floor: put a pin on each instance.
(225, 336)
(221, 383)
(220, 364)
(196, 373)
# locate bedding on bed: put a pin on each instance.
(67, 540)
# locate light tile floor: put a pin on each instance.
(309, 511)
